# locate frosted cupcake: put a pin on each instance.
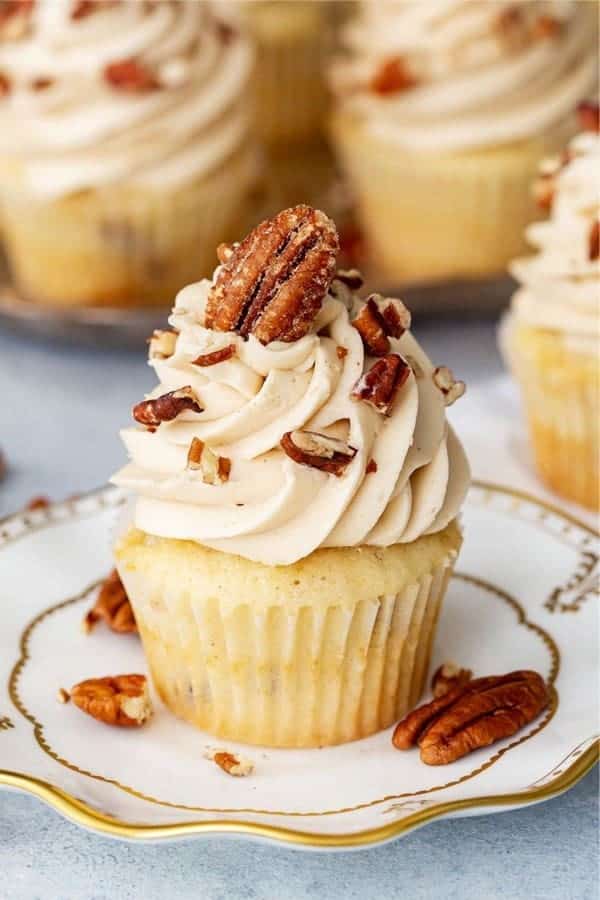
(124, 148)
(552, 334)
(297, 490)
(444, 110)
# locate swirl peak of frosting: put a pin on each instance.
(96, 91)
(324, 444)
(456, 74)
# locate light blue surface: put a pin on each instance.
(60, 410)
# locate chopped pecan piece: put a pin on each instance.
(392, 77)
(352, 278)
(217, 356)
(163, 409)
(380, 385)
(215, 469)
(14, 19)
(41, 83)
(371, 467)
(231, 764)
(39, 502)
(112, 606)
(447, 677)
(63, 696)
(594, 242)
(116, 700)
(5, 85)
(589, 115)
(131, 76)
(451, 389)
(546, 27)
(274, 282)
(379, 319)
(341, 352)
(224, 252)
(83, 8)
(472, 716)
(310, 448)
(162, 344)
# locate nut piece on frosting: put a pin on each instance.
(320, 451)
(166, 408)
(379, 319)
(213, 468)
(273, 283)
(381, 384)
(115, 700)
(450, 388)
(162, 344)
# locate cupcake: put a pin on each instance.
(297, 488)
(444, 110)
(551, 336)
(124, 147)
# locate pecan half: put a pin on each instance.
(162, 344)
(392, 77)
(451, 389)
(447, 677)
(381, 384)
(231, 764)
(379, 319)
(163, 409)
(594, 241)
(472, 716)
(214, 469)
(588, 112)
(217, 356)
(131, 76)
(274, 282)
(310, 448)
(112, 606)
(116, 700)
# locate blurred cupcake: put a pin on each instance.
(444, 110)
(551, 336)
(297, 492)
(124, 147)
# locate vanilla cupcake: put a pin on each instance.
(297, 490)
(444, 110)
(551, 336)
(124, 147)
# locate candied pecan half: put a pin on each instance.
(379, 319)
(310, 448)
(380, 385)
(131, 76)
(451, 389)
(112, 606)
(116, 700)
(392, 77)
(215, 469)
(273, 283)
(594, 242)
(163, 409)
(449, 676)
(588, 112)
(217, 356)
(472, 716)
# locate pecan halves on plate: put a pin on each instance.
(115, 700)
(273, 283)
(472, 716)
(166, 408)
(112, 606)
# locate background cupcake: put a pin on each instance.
(124, 147)
(444, 110)
(297, 488)
(551, 337)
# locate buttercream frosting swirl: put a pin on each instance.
(560, 285)
(479, 72)
(77, 130)
(272, 509)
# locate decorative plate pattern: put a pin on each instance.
(524, 596)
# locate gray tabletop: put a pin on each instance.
(60, 412)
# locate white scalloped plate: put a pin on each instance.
(524, 596)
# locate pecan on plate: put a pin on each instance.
(213, 468)
(310, 448)
(131, 77)
(379, 319)
(231, 764)
(380, 385)
(451, 389)
(449, 676)
(116, 700)
(112, 606)
(166, 408)
(273, 283)
(472, 716)
(594, 242)
(588, 112)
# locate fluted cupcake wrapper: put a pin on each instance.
(124, 245)
(287, 674)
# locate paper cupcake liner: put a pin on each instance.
(430, 217)
(560, 392)
(286, 674)
(124, 245)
